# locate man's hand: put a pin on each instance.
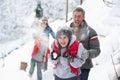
(85, 55)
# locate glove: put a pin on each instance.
(54, 55)
(44, 67)
(85, 55)
(68, 56)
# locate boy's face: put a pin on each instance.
(63, 40)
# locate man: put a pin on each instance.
(88, 36)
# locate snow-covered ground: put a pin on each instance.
(103, 68)
(96, 15)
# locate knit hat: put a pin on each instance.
(64, 31)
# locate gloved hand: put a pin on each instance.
(85, 55)
(68, 56)
(54, 55)
(44, 67)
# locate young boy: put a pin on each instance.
(68, 55)
(40, 51)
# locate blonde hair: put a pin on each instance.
(44, 18)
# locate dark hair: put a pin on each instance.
(79, 9)
(64, 31)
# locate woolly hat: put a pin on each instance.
(64, 31)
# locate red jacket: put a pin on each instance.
(72, 50)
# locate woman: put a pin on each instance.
(47, 29)
(67, 55)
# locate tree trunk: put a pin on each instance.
(66, 10)
(81, 1)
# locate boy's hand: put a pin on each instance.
(54, 55)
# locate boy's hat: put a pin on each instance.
(64, 31)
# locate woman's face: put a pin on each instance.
(63, 40)
(44, 23)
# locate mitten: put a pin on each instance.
(44, 67)
(68, 56)
(54, 55)
(85, 55)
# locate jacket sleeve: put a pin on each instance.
(51, 32)
(36, 47)
(35, 50)
(47, 52)
(54, 62)
(94, 45)
(79, 60)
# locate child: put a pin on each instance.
(68, 55)
(40, 51)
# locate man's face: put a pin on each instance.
(77, 18)
(63, 40)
